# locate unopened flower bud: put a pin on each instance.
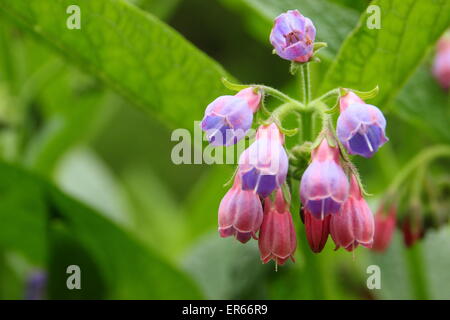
(263, 166)
(317, 230)
(441, 65)
(412, 228)
(384, 228)
(324, 186)
(277, 239)
(293, 36)
(240, 213)
(360, 126)
(354, 224)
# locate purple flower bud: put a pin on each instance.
(293, 36)
(324, 185)
(240, 213)
(263, 166)
(228, 118)
(360, 126)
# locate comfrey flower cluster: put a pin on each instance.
(332, 199)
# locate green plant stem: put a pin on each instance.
(422, 159)
(306, 83)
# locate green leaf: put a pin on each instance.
(332, 27)
(31, 208)
(426, 105)
(389, 55)
(133, 52)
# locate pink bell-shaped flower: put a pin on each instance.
(263, 166)
(317, 230)
(324, 185)
(441, 65)
(354, 224)
(228, 118)
(360, 126)
(240, 213)
(277, 239)
(384, 228)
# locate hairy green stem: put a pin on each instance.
(422, 159)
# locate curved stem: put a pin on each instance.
(281, 96)
(422, 159)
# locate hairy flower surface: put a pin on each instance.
(228, 118)
(263, 166)
(277, 239)
(240, 213)
(324, 185)
(360, 126)
(354, 224)
(293, 36)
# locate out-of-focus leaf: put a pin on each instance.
(85, 177)
(333, 22)
(395, 280)
(425, 105)
(129, 269)
(161, 9)
(389, 55)
(436, 252)
(225, 268)
(131, 51)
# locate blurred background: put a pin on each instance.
(86, 176)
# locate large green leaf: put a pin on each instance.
(424, 104)
(130, 50)
(31, 210)
(389, 55)
(332, 27)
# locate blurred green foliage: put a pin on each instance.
(86, 176)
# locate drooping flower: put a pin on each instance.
(277, 239)
(324, 186)
(263, 166)
(441, 65)
(240, 213)
(228, 118)
(412, 228)
(360, 126)
(293, 36)
(317, 230)
(354, 224)
(384, 228)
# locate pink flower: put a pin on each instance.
(277, 239)
(317, 231)
(293, 36)
(441, 66)
(228, 118)
(240, 213)
(354, 224)
(324, 185)
(263, 166)
(413, 230)
(384, 229)
(360, 126)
